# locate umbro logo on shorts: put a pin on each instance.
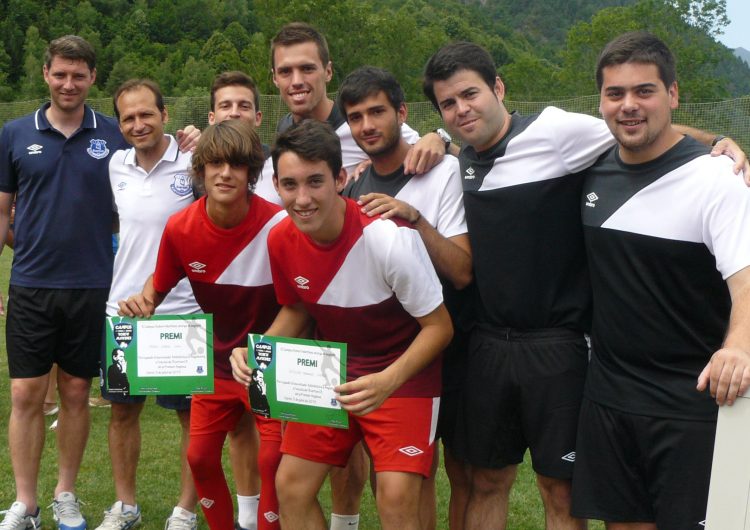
(271, 517)
(198, 267)
(207, 503)
(35, 149)
(592, 198)
(302, 282)
(570, 457)
(411, 450)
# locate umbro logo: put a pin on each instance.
(592, 198)
(197, 267)
(207, 503)
(271, 517)
(35, 149)
(469, 175)
(122, 185)
(570, 457)
(411, 450)
(302, 282)
(703, 523)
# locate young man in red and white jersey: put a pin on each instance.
(219, 243)
(393, 321)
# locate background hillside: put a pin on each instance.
(545, 49)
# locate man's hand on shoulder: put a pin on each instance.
(187, 138)
(387, 207)
(727, 146)
(727, 375)
(424, 155)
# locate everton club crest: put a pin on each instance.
(181, 185)
(98, 149)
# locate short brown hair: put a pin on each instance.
(232, 141)
(234, 78)
(311, 140)
(134, 84)
(71, 47)
(637, 47)
(299, 33)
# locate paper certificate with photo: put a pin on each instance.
(164, 354)
(293, 379)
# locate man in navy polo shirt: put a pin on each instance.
(55, 163)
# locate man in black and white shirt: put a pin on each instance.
(666, 233)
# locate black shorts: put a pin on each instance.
(47, 326)
(523, 390)
(454, 381)
(633, 468)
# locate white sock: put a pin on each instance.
(182, 513)
(129, 508)
(344, 522)
(247, 511)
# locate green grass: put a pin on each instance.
(158, 473)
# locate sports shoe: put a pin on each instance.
(179, 521)
(16, 518)
(66, 510)
(116, 519)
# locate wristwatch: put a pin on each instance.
(445, 137)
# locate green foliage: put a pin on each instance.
(544, 48)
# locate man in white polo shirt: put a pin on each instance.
(149, 182)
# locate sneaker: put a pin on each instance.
(177, 521)
(116, 519)
(53, 425)
(66, 510)
(16, 518)
(50, 408)
(99, 402)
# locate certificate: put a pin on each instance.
(164, 354)
(293, 379)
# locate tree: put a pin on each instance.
(32, 84)
(220, 53)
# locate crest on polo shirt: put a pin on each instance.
(97, 149)
(181, 185)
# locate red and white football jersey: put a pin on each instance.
(228, 270)
(365, 289)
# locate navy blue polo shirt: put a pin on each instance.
(63, 224)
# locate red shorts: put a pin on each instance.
(222, 410)
(400, 436)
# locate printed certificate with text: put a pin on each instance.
(293, 379)
(164, 354)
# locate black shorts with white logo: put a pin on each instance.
(47, 326)
(523, 390)
(634, 468)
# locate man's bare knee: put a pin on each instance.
(486, 481)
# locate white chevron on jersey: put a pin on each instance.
(699, 202)
(404, 265)
(554, 145)
(250, 267)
